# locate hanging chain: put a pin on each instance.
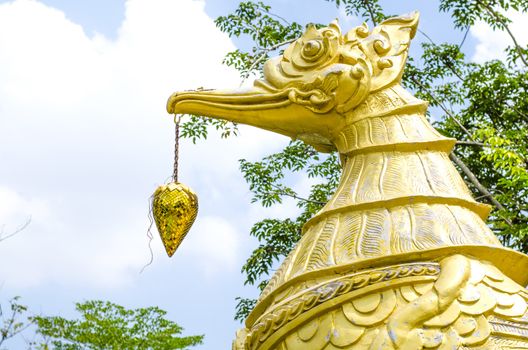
(177, 119)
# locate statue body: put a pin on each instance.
(400, 257)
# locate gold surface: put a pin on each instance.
(174, 207)
(400, 257)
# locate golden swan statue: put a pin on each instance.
(400, 257)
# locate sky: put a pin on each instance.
(85, 141)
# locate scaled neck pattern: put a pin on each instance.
(399, 193)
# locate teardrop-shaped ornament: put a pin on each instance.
(174, 207)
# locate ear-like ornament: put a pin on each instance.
(354, 86)
(335, 26)
(385, 48)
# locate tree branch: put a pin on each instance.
(279, 17)
(458, 161)
(464, 38)
(10, 327)
(20, 228)
(477, 184)
(263, 54)
(426, 36)
(524, 116)
(505, 25)
(473, 179)
(471, 143)
(441, 105)
(250, 27)
(294, 196)
(447, 63)
(372, 17)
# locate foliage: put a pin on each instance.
(267, 30)
(497, 116)
(264, 178)
(196, 128)
(105, 325)
(244, 307)
(13, 320)
(483, 105)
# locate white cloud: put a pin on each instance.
(491, 43)
(346, 21)
(86, 139)
(213, 244)
(14, 207)
(65, 255)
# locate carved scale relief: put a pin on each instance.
(399, 193)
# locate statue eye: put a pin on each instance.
(312, 48)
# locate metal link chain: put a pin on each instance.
(177, 119)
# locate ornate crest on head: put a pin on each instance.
(325, 69)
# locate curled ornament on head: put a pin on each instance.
(324, 69)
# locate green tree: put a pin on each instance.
(13, 320)
(105, 325)
(484, 106)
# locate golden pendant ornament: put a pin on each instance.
(174, 207)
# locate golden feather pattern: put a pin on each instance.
(322, 255)
(414, 175)
(279, 276)
(344, 194)
(437, 177)
(389, 175)
(347, 237)
(401, 225)
(395, 133)
(393, 185)
(304, 249)
(379, 232)
(375, 231)
(425, 229)
(415, 128)
(378, 131)
(445, 175)
(451, 231)
(368, 184)
(340, 200)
